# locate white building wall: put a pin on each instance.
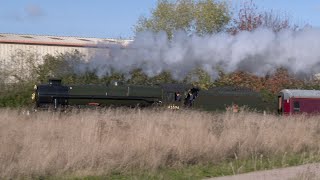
(12, 61)
(7, 51)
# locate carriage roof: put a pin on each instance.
(299, 93)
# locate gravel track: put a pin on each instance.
(303, 172)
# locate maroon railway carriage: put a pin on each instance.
(296, 101)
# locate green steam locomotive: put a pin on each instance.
(174, 96)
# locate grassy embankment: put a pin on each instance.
(151, 144)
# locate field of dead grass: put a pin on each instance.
(118, 140)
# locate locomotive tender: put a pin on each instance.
(174, 96)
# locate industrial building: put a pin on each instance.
(41, 45)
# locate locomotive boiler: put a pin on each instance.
(174, 96)
(56, 95)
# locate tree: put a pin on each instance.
(194, 17)
(138, 77)
(210, 17)
(241, 79)
(3, 74)
(20, 67)
(18, 78)
(61, 66)
(250, 18)
(164, 77)
(113, 76)
(199, 78)
(282, 79)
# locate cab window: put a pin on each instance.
(177, 96)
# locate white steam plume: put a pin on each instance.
(258, 52)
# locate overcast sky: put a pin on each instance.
(113, 18)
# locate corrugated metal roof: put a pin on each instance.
(298, 93)
(59, 40)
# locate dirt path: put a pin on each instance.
(304, 172)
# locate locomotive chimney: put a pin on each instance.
(55, 82)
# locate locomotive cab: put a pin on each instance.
(176, 96)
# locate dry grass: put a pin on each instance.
(99, 142)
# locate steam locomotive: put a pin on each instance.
(174, 96)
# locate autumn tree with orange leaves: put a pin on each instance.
(242, 79)
(250, 18)
(273, 83)
(282, 79)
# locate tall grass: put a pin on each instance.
(99, 142)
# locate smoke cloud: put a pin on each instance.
(258, 52)
(33, 10)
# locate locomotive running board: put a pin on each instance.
(143, 98)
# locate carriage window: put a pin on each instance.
(296, 106)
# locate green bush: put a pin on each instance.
(18, 95)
